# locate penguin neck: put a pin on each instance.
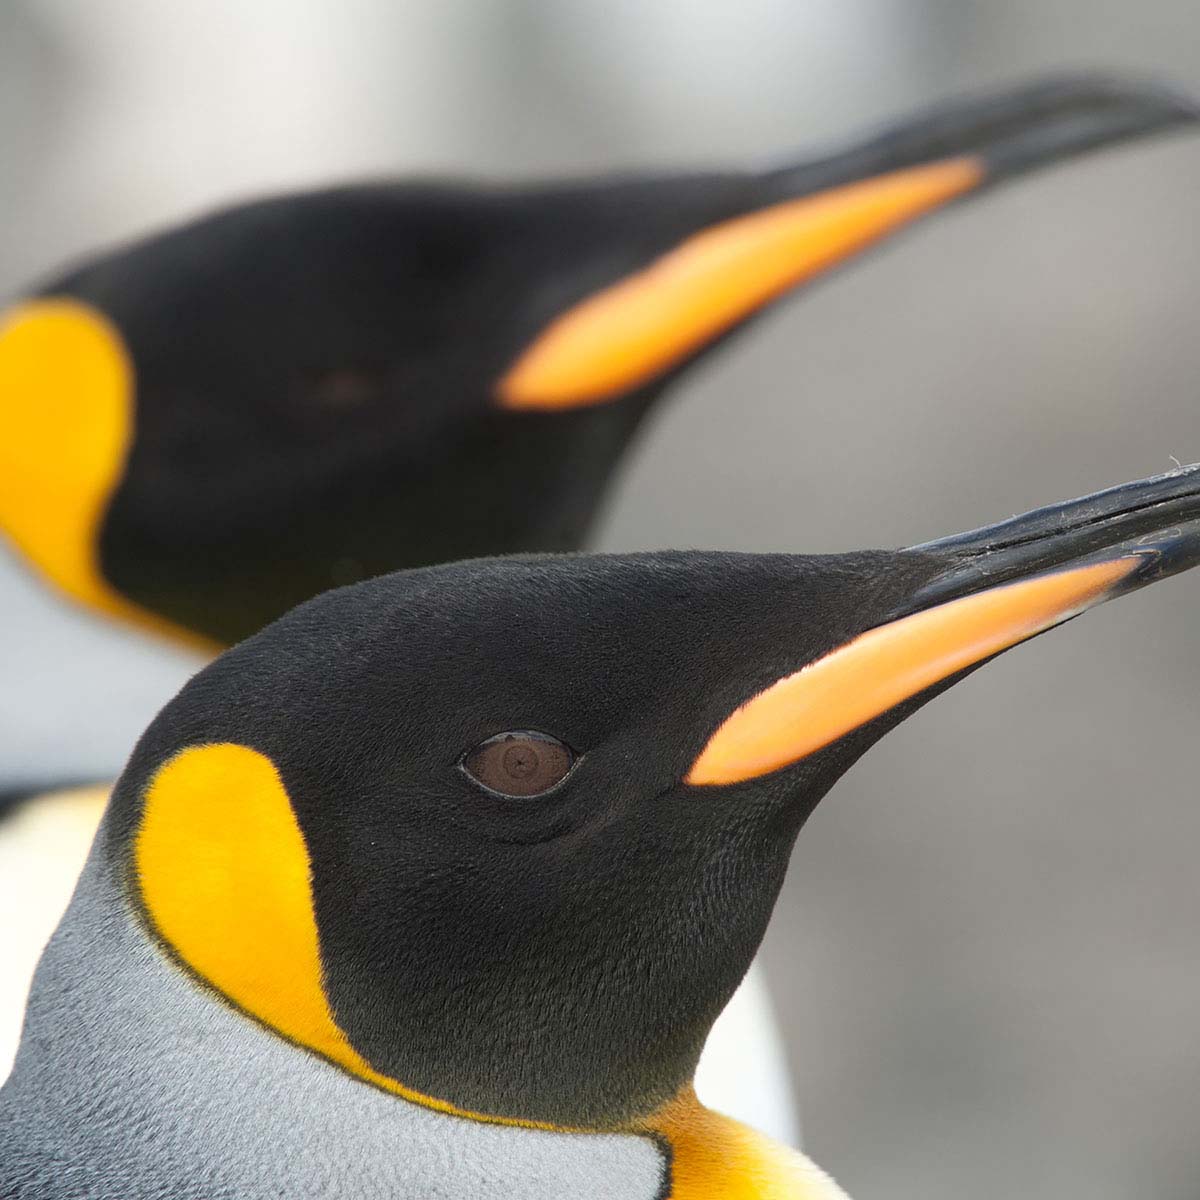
(117, 1029)
(190, 1098)
(713, 1155)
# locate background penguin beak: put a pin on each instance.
(1010, 132)
(1001, 585)
(812, 217)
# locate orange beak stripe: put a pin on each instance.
(863, 679)
(634, 330)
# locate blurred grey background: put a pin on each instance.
(987, 957)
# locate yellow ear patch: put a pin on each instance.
(66, 426)
(638, 328)
(224, 874)
(225, 879)
(66, 422)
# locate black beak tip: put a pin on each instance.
(1155, 521)
(1098, 90)
(1171, 552)
(1008, 131)
(1072, 115)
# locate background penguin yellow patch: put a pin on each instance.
(66, 427)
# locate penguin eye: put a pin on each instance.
(344, 388)
(521, 763)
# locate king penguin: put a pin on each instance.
(435, 886)
(207, 427)
(203, 429)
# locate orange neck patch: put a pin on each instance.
(638, 328)
(717, 1158)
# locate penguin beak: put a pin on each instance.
(805, 219)
(1009, 133)
(998, 586)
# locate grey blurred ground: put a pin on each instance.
(987, 956)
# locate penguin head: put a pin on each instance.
(208, 427)
(502, 836)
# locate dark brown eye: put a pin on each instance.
(521, 763)
(345, 388)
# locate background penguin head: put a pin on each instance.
(503, 835)
(208, 427)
